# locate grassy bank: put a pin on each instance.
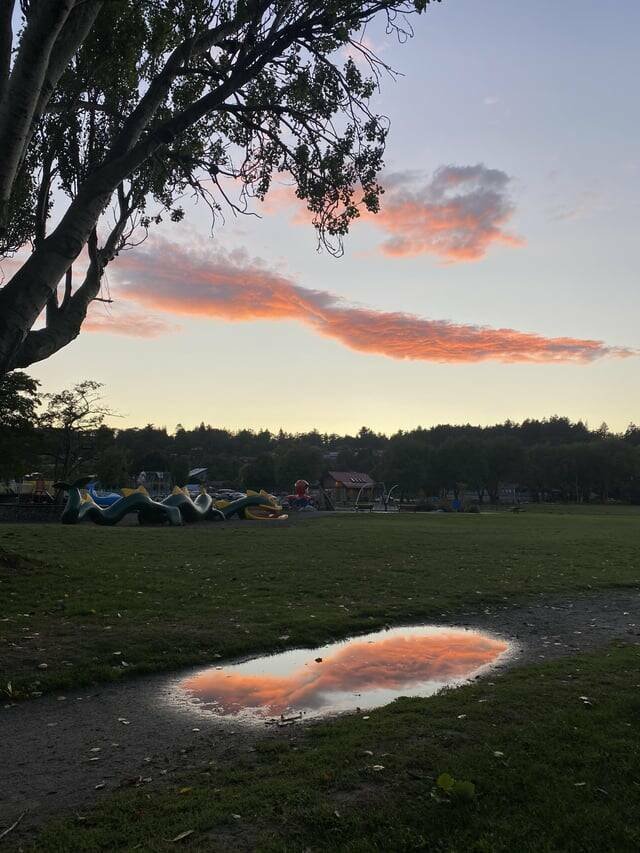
(70, 597)
(550, 770)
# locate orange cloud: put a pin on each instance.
(230, 286)
(457, 215)
(394, 663)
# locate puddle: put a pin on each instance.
(357, 674)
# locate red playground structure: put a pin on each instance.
(301, 499)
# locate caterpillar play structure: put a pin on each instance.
(176, 509)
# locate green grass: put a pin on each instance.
(72, 596)
(551, 773)
(616, 510)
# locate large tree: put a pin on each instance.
(124, 105)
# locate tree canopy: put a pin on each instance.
(549, 459)
(114, 109)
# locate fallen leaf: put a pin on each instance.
(183, 835)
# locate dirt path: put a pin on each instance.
(62, 752)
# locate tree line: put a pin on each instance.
(64, 435)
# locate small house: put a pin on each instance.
(345, 486)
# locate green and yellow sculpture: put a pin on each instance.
(179, 507)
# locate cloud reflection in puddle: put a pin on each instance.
(361, 673)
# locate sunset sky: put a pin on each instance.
(499, 280)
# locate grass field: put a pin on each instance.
(72, 596)
(551, 773)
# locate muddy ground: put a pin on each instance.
(61, 753)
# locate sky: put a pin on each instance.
(499, 280)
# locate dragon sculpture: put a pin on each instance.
(176, 509)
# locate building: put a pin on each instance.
(345, 486)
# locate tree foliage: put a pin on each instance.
(19, 400)
(72, 419)
(550, 459)
(124, 106)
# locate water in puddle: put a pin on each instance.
(360, 673)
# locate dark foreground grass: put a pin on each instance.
(70, 597)
(553, 771)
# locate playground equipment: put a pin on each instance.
(177, 508)
(256, 506)
(301, 499)
(103, 500)
(80, 506)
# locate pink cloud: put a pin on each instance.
(124, 320)
(456, 215)
(230, 286)
(392, 663)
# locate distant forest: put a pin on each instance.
(64, 436)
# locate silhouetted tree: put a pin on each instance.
(127, 104)
(298, 462)
(260, 473)
(72, 417)
(19, 400)
(112, 467)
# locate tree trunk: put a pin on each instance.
(53, 32)
(23, 88)
(25, 296)
(63, 323)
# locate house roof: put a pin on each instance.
(352, 479)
